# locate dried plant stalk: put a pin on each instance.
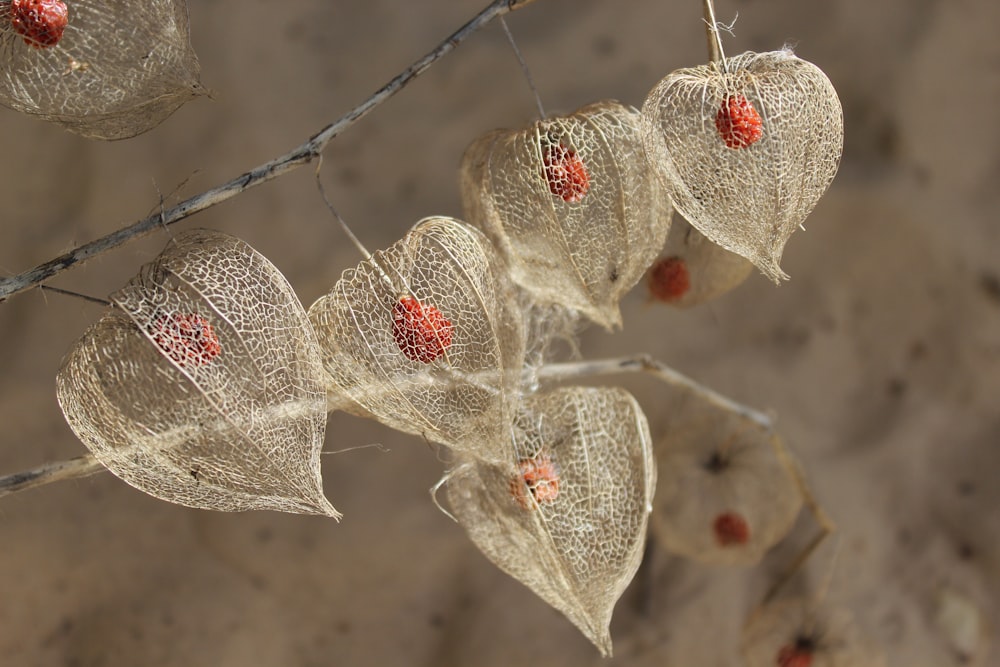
(203, 384)
(725, 496)
(567, 514)
(746, 148)
(427, 337)
(571, 204)
(119, 68)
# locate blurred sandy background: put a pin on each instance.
(881, 356)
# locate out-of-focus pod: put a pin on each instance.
(802, 633)
(727, 490)
(693, 270)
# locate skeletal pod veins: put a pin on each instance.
(105, 69)
(427, 337)
(746, 148)
(203, 384)
(566, 515)
(572, 205)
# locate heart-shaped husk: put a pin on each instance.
(567, 515)
(572, 205)
(693, 270)
(119, 69)
(727, 491)
(203, 385)
(747, 192)
(800, 632)
(453, 377)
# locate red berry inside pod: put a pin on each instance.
(564, 170)
(731, 529)
(421, 331)
(669, 279)
(799, 654)
(538, 476)
(186, 339)
(738, 122)
(39, 22)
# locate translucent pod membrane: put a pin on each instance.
(800, 633)
(572, 204)
(693, 270)
(108, 69)
(727, 492)
(747, 150)
(427, 337)
(203, 384)
(566, 515)
(552, 333)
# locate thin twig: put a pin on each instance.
(336, 215)
(305, 153)
(66, 292)
(643, 363)
(87, 465)
(524, 68)
(715, 52)
(81, 466)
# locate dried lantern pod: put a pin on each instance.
(108, 69)
(566, 516)
(427, 337)
(203, 385)
(799, 632)
(572, 205)
(693, 270)
(746, 147)
(727, 491)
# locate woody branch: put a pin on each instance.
(303, 154)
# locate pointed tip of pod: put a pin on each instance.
(328, 510)
(316, 505)
(603, 644)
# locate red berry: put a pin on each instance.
(564, 171)
(738, 122)
(538, 476)
(794, 656)
(669, 279)
(731, 528)
(186, 339)
(421, 331)
(40, 22)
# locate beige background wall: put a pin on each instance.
(881, 355)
